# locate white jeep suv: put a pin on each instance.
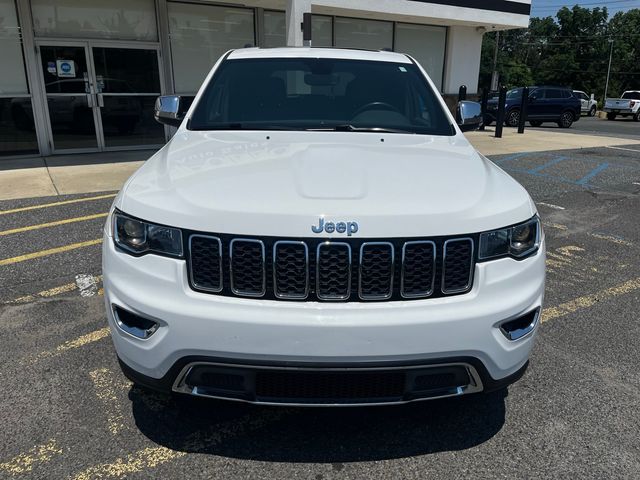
(318, 231)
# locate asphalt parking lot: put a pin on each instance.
(620, 127)
(67, 412)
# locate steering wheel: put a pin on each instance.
(377, 106)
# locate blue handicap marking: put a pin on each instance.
(65, 67)
(599, 169)
(550, 163)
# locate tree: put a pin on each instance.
(571, 50)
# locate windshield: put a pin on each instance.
(631, 95)
(320, 94)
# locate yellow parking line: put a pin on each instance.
(107, 387)
(82, 340)
(149, 457)
(201, 441)
(52, 292)
(25, 462)
(55, 204)
(51, 251)
(588, 301)
(68, 287)
(53, 224)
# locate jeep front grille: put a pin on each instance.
(326, 270)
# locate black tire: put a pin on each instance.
(535, 123)
(611, 116)
(566, 119)
(636, 117)
(513, 118)
(592, 112)
(487, 122)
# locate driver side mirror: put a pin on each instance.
(468, 115)
(169, 110)
(532, 97)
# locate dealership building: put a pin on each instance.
(83, 75)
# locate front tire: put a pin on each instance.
(592, 112)
(535, 123)
(566, 120)
(636, 117)
(513, 118)
(611, 116)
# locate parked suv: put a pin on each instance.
(319, 231)
(546, 104)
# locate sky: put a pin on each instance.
(545, 8)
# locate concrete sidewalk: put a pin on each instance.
(99, 172)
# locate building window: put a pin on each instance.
(115, 19)
(321, 31)
(275, 30)
(360, 33)
(426, 44)
(17, 133)
(199, 35)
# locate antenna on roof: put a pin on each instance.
(386, 49)
(248, 45)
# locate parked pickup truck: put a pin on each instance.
(625, 106)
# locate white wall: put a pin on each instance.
(462, 62)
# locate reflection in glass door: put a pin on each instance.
(70, 103)
(127, 85)
(101, 97)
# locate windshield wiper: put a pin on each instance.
(351, 128)
(244, 126)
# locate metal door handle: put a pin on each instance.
(100, 100)
(90, 102)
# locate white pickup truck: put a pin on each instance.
(625, 106)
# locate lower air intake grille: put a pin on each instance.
(329, 386)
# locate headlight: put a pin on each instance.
(518, 241)
(139, 237)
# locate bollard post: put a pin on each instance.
(502, 98)
(523, 109)
(306, 29)
(462, 93)
(485, 99)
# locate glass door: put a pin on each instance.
(127, 84)
(70, 101)
(100, 96)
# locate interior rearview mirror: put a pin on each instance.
(468, 115)
(170, 110)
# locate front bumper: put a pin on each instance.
(195, 327)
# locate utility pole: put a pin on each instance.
(494, 75)
(606, 88)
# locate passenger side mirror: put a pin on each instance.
(169, 110)
(468, 115)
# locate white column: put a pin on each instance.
(462, 65)
(294, 11)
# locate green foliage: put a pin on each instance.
(571, 49)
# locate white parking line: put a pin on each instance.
(625, 149)
(550, 205)
(87, 285)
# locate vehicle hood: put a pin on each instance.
(280, 183)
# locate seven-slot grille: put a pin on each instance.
(327, 270)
